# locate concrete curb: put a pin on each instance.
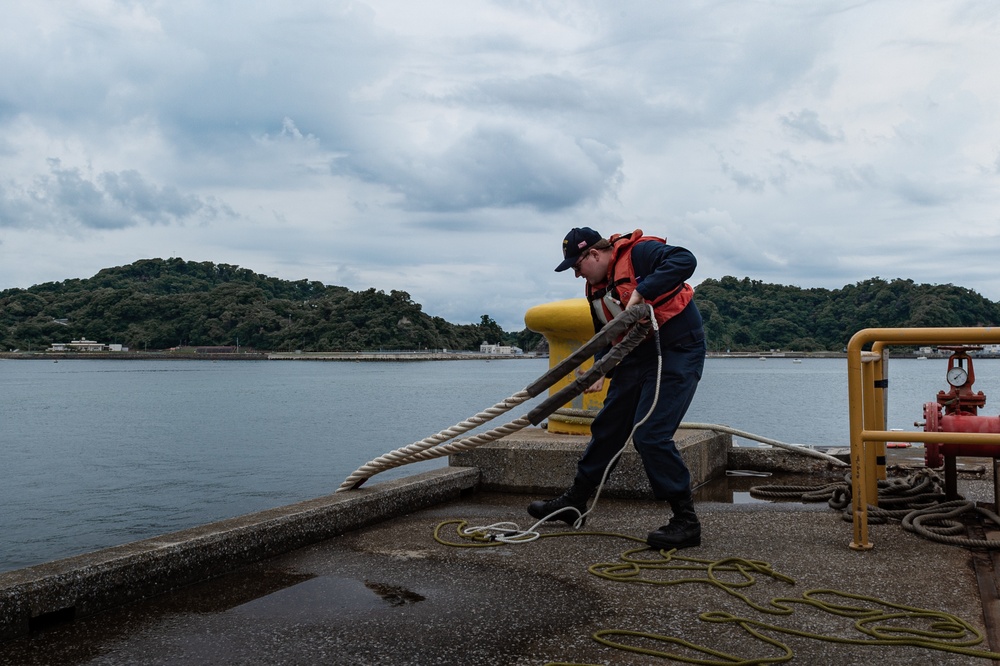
(780, 460)
(61, 590)
(534, 461)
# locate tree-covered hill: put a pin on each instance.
(164, 303)
(745, 314)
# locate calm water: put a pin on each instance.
(98, 453)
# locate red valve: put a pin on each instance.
(956, 411)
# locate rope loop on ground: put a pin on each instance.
(940, 523)
(916, 501)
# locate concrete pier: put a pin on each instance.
(532, 460)
(358, 578)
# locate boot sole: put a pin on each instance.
(664, 544)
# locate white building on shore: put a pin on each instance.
(85, 346)
(503, 350)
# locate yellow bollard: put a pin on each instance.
(566, 326)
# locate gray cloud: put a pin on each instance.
(15, 210)
(110, 201)
(131, 192)
(536, 93)
(405, 145)
(744, 181)
(922, 193)
(498, 167)
(65, 192)
(806, 124)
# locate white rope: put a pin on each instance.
(510, 533)
(418, 450)
(427, 448)
(797, 448)
(433, 447)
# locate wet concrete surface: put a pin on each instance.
(392, 594)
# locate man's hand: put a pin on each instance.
(593, 388)
(635, 299)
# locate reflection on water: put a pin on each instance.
(325, 596)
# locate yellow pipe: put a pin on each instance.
(878, 416)
(867, 412)
(567, 325)
(871, 460)
(859, 504)
(880, 369)
(929, 437)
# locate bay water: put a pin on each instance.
(95, 453)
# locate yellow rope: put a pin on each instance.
(881, 622)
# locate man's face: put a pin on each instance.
(592, 266)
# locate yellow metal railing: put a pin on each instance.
(867, 377)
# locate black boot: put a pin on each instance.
(574, 498)
(683, 530)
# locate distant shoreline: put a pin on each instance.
(393, 356)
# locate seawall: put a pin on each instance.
(532, 461)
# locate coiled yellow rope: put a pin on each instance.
(879, 622)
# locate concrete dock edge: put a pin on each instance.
(85, 584)
(532, 461)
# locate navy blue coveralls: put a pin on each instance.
(659, 269)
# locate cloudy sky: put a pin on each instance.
(445, 148)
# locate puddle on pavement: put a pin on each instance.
(736, 489)
(329, 595)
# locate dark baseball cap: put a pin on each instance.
(577, 241)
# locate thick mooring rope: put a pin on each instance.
(915, 501)
(631, 323)
(635, 329)
(797, 448)
(715, 427)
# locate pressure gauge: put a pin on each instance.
(957, 376)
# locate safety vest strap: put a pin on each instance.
(610, 300)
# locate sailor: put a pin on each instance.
(622, 271)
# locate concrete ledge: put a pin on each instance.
(768, 459)
(534, 461)
(85, 584)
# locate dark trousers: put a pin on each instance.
(629, 397)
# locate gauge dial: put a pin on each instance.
(957, 376)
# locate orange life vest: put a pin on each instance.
(609, 299)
